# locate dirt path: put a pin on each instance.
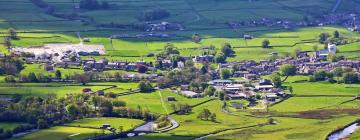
(163, 103)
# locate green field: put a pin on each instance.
(8, 125)
(127, 124)
(43, 89)
(156, 101)
(61, 133)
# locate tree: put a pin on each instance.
(213, 117)
(225, 73)
(141, 68)
(220, 58)
(41, 124)
(331, 57)
(287, 70)
(170, 49)
(58, 74)
(266, 43)
(291, 89)
(82, 78)
(227, 50)
(196, 38)
(145, 86)
(323, 37)
(204, 114)
(336, 34)
(315, 48)
(220, 94)
(13, 33)
(320, 75)
(10, 79)
(32, 77)
(276, 79)
(72, 110)
(350, 78)
(210, 91)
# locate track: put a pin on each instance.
(336, 6)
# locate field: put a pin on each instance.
(289, 128)
(127, 124)
(8, 125)
(316, 109)
(156, 101)
(60, 133)
(43, 89)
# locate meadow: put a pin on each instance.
(8, 125)
(116, 123)
(61, 133)
(44, 89)
(156, 101)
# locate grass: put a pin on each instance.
(127, 124)
(8, 125)
(43, 89)
(297, 104)
(324, 88)
(153, 101)
(61, 133)
(289, 128)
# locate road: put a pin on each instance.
(336, 6)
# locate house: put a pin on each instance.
(171, 98)
(248, 37)
(250, 76)
(219, 82)
(271, 97)
(322, 54)
(233, 88)
(204, 58)
(48, 67)
(237, 96)
(264, 84)
(191, 94)
(105, 126)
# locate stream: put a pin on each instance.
(343, 133)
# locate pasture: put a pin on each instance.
(44, 89)
(61, 133)
(156, 101)
(8, 125)
(289, 128)
(116, 123)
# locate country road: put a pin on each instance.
(336, 6)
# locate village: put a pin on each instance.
(248, 84)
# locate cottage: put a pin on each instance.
(271, 97)
(191, 94)
(170, 98)
(219, 82)
(237, 96)
(264, 84)
(48, 67)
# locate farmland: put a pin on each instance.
(60, 133)
(127, 124)
(127, 97)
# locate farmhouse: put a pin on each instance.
(191, 94)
